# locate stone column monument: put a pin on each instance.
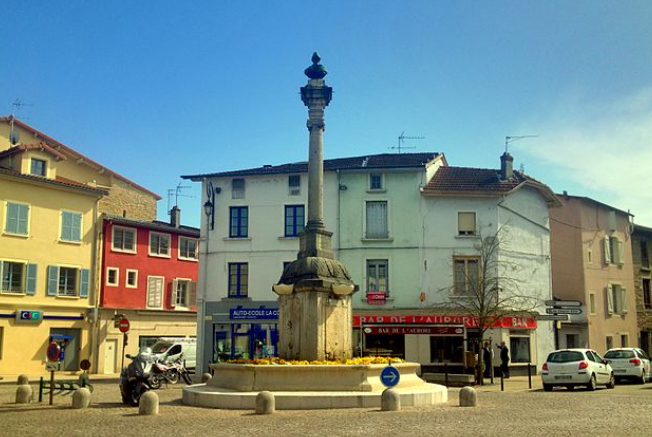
(315, 321)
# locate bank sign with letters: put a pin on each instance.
(253, 313)
(29, 316)
(507, 322)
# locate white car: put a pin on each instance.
(629, 362)
(573, 367)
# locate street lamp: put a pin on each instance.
(209, 206)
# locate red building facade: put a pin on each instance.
(149, 276)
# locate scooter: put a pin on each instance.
(136, 379)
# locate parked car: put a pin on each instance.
(576, 367)
(170, 349)
(629, 362)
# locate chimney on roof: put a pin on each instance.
(175, 216)
(506, 166)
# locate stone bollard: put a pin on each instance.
(205, 377)
(468, 397)
(23, 379)
(148, 405)
(390, 400)
(265, 403)
(24, 394)
(81, 398)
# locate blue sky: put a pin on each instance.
(155, 90)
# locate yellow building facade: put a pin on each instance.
(51, 201)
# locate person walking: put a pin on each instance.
(487, 358)
(504, 359)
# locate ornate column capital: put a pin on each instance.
(319, 124)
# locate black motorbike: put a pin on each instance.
(136, 379)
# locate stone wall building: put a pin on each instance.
(641, 246)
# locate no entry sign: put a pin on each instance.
(123, 326)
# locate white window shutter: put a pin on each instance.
(173, 298)
(192, 294)
(610, 300)
(623, 297)
(607, 251)
(620, 252)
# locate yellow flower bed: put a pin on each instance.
(350, 362)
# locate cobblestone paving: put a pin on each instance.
(561, 413)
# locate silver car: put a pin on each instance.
(576, 367)
(629, 362)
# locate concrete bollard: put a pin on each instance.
(23, 379)
(148, 405)
(206, 377)
(390, 400)
(265, 403)
(468, 397)
(81, 398)
(24, 394)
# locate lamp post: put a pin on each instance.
(209, 211)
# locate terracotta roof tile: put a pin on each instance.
(58, 181)
(466, 179)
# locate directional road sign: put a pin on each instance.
(543, 317)
(563, 303)
(564, 310)
(390, 376)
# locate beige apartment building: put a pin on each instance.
(591, 250)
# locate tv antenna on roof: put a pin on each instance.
(513, 139)
(401, 141)
(176, 193)
(13, 134)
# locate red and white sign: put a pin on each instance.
(428, 330)
(467, 321)
(377, 298)
(123, 325)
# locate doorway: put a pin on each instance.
(70, 340)
(110, 355)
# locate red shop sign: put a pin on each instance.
(376, 298)
(508, 322)
(428, 330)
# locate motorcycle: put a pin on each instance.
(171, 373)
(136, 379)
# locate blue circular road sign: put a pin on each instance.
(390, 376)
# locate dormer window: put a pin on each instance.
(38, 167)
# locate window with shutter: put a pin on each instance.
(17, 218)
(192, 296)
(12, 277)
(607, 250)
(155, 292)
(30, 284)
(238, 189)
(466, 223)
(71, 226)
(620, 252)
(376, 220)
(466, 274)
(377, 276)
(623, 299)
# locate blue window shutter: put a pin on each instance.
(83, 286)
(30, 284)
(66, 226)
(53, 280)
(76, 227)
(11, 224)
(23, 214)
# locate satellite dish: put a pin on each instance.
(14, 137)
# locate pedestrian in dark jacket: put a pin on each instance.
(504, 359)
(487, 358)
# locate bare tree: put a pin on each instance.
(486, 285)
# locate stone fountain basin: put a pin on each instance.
(310, 377)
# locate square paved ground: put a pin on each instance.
(626, 410)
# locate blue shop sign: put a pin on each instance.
(253, 313)
(29, 316)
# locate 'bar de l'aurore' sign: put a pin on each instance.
(508, 322)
